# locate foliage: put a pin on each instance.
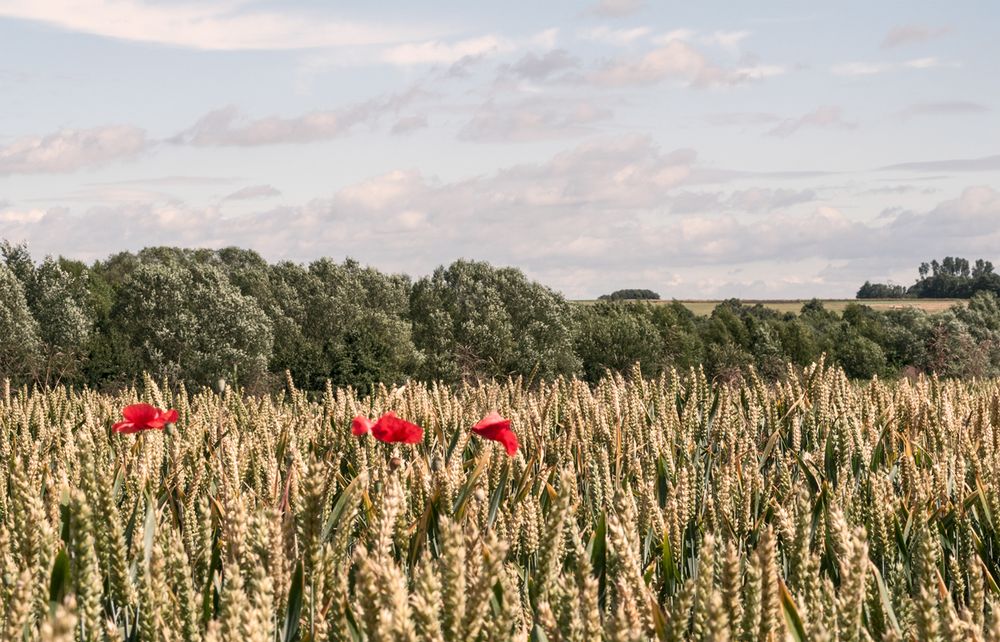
(188, 321)
(860, 356)
(473, 320)
(20, 344)
(951, 278)
(871, 290)
(640, 509)
(613, 336)
(205, 315)
(630, 295)
(342, 323)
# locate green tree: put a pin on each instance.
(20, 344)
(615, 336)
(189, 322)
(860, 356)
(359, 319)
(679, 327)
(57, 299)
(981, 319)
(630, 295)
(475, 320)
(339, 322)
(59, 304)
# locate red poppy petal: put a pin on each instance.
(490, 420)
(361, 425)
(391, 429)
(496, 428)
(170, 416)
(491, 431)
(140, 413)
(410, 433)
(125, 427)
(509, 441)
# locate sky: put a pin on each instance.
(702, 150)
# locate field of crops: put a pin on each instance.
(704, 307)
(834, 305)
(671, 509)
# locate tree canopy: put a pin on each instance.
(201, 315)
(630, 295)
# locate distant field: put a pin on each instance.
(705, 307)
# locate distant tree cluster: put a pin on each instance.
(881, 291)
(201, 315)
(955, 278)
(951, 278)
(630, 295)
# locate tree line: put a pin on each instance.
(199, 316)
(630, 295)
(951, 278)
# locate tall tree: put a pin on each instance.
(59, 304)
(189, 322)
(475, 320)
(20, 344)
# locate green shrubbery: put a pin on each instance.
(202, 315)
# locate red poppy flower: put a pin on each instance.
(496, 428)
(361, 425)
(391, 429)
(142, 416)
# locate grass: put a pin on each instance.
(671, 509)
(704, 307)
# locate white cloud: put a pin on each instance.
(253, 192)
(532, 120)
(758, 72)
(69, 150)
(546, 39)
(617, 8)
(983, 164)
(911, 34)
(741, 118)
(753, 200)
(408, 124)
(677, 60)
(929, 62)
(171, 181)
(861, 68)
(444, 53)
(583, 220)
(380, 191)
(532, 66)
(229, 127)
(967, 223)
(20, 217)
(944, 108)
(208, 24)
(874, 68)
(766, 199)
(411, 219)
(615, 37)
(729, 40)
(828, 117)
(674, 60)
(675, 34)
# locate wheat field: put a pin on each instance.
(671, 509)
